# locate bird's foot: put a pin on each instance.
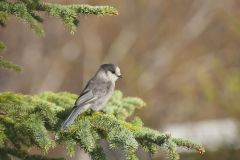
(103, 111)
(97, 113)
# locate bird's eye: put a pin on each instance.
(113, 72)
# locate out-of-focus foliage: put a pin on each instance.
(28, 12)
(2, 46)
(9, 65)
(25, 122)
(230, 154)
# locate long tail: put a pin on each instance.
(73, 115)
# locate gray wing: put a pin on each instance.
(80, 105)
(85, 97)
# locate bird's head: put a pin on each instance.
(111, 71)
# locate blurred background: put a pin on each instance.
(181, 57)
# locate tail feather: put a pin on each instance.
(73, 115)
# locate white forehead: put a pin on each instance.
(118, 70)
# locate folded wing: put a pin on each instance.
(81, 104)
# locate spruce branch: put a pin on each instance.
(24, 155)
(9, 65)
(3, 18)
(21, 11)
(28, 11)
(2, 46)
(27, 121)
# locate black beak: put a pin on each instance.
(120, 76)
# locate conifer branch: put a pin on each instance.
(28, 119)
(28, 12)
(9, 65)
(24, 155)
(2, 46)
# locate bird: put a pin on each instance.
(96, 93)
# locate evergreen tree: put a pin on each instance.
(27, 11)
(27, 121)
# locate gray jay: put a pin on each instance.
(96, 93)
